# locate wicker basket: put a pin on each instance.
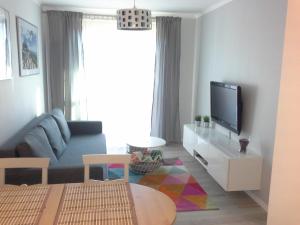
(145, 167)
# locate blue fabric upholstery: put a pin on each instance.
(56, 175)
(39, 144)
(68, 168)
(7, 149)
(54, 136)
(62, 124)
(82, 145)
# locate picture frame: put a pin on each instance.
(5, 46)
(28, 47)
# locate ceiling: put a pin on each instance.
(183, 6)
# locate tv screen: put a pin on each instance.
(226, 105)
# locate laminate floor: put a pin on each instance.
(235, 208)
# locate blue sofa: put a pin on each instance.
(50, 135)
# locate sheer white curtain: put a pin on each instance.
(119, 67)
(3, 52)
(5, 58)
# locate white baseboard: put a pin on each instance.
(258, 200)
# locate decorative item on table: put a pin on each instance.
(243, 143)
(27, 48)
(198, 119)
(206, 121)
(145, 162)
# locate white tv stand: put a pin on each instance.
(233, 171)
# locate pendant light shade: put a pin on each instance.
(134, 19)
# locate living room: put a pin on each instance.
(252, 44)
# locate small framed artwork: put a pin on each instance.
(27, 48)
(5, 50)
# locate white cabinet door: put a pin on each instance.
(245, 174)
(218, 166)
(202, 148)
(189, 140)
(201, 153)
(217, 163)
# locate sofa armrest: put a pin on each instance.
(85, 127)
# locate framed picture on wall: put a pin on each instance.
(5, 50)
(27, 48)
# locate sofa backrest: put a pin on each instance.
(8, 148)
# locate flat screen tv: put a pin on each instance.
(226, 105)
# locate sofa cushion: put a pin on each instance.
(54, 136)
(39, 144)
(85, 127)
(82, 145)
(7, 149)
(62, 124)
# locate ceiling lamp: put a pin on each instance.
(134, 19)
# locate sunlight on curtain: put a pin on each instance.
(2, 46)
(119, 67)
(4, 54)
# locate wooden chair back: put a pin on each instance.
(105, 159)
(10, 163)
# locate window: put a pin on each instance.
(119, 70)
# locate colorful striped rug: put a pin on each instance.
(175, 181)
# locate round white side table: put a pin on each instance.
(145, 143)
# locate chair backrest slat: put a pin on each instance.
(93, 159)
(10, 163)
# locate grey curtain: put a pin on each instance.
(165, 109)
(65, 57)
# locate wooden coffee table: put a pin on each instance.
(141, 144)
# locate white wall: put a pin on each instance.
(21, 98)
(284, 196)
(188, 73)
(242, 43)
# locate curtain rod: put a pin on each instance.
(112, 12)
(98, 16)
